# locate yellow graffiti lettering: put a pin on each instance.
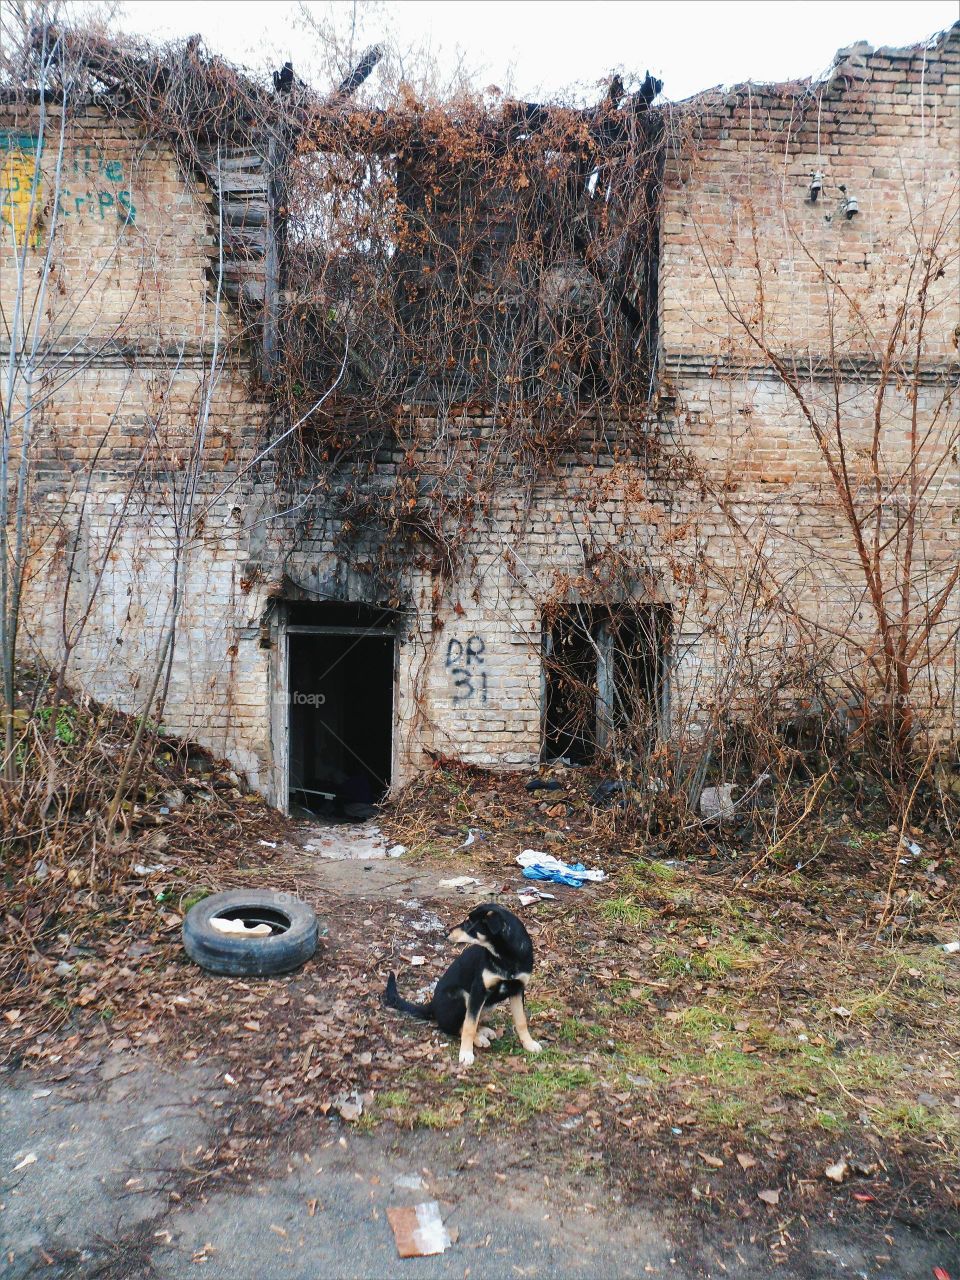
(21, 184)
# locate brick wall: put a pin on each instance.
(754, 272)
(129, 330)
(735, 480)
(740, 233)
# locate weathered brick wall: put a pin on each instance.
(530, 549)
(131, 330)
(131, 252)
(740, 234)
(735, 482)
(753, 271)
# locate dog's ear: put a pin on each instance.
(493, 922)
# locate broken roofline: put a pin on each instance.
(294, 106)
(226, 104)
(229, 105)
(849, 64)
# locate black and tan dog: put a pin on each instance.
(496, 966)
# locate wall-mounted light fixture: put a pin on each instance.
(848, 205)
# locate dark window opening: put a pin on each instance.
(604, 673)
(340, 715)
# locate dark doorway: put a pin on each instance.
(604, 668)
(340, 685)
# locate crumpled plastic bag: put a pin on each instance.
(544, 866)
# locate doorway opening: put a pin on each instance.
(604, 677)
(340, 685)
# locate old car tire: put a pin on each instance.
(292, 941)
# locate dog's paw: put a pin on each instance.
(466, 1057)
(482, 1039)
(533, 1046)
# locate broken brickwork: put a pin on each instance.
(687, 477)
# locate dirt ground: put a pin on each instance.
(128, 1182)
(716, 1036)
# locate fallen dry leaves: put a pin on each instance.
(646, 991)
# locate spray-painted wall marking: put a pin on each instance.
(103, 191)
(88, 167)
(465, 665)
(21, 186)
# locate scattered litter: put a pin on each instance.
(41, 1093)
(911, 846)
(412, 1181)
(717, 802)
(239, 926)
(837, 1172)
(140, 870)
(458, 882)
(418, 960)
(429, 922)
(544, 866)
(229, 1078)
(355, 842)
(418, 1230)
(473, 835)
(30, 1158)
(769, 1196)
(543, 784)
(951, 948)
(606, 790)
(268, 844)
(350, 1106)
(529, 896)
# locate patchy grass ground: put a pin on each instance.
(718, 1028)
(771, 1019)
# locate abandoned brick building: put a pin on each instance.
(377, 548)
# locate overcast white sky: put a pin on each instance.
(553, 44)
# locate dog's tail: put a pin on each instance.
(393, 1000)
